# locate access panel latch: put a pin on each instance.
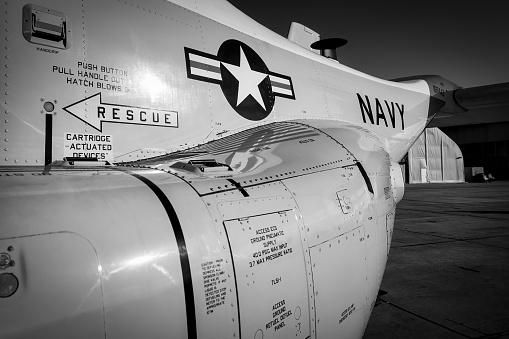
(46, 27)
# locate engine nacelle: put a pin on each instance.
(286, 235)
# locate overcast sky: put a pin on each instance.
(467, 44)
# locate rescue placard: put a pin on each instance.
(94, 112)
(85, 145)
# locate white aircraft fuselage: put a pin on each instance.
(254, 183)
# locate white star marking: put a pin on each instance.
(248, 80)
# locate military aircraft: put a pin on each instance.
(174, 169)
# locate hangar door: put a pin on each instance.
(435, 158)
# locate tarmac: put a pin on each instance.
(447, 275)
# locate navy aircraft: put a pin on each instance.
(174, 169)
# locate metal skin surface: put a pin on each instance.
(98, 246)
(139, 64)
(254, 183)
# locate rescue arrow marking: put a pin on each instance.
(94, 112)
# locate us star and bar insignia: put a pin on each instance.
(245, 80)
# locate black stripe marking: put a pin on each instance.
(184, 258)
(240, 188)
(280, 85)
(201, 65)
(48, 147)
(366, 178)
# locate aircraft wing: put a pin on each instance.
(465, 99)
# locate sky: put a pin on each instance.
(465, 42)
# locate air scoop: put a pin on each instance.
(328, 47)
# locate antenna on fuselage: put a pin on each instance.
(328, 47)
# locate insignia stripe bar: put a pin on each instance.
(281, 85)
(210, 68)
(204, 59)
(202, 66)
(205, 71)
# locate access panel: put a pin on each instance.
(270, 272)
(60, 288)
